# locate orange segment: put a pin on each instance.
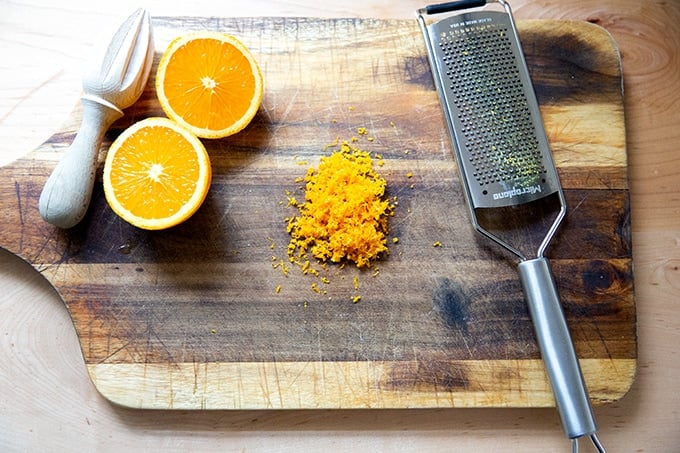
(209, 83)
(156, 174)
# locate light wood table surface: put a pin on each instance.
(47, 402)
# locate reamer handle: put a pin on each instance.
(66, 195)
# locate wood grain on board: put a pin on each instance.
(190, 317)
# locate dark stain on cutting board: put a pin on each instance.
(565, 69)
(435, 374)
(452, 303)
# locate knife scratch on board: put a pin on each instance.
(21, 211)
(578, 205)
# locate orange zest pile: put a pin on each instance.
(344, 215)
(209, 83)
(156, 174)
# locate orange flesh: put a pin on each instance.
(156, 173)
(213, 92)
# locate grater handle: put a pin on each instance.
(453, 6)
(557, 349)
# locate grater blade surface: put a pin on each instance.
(491, 109)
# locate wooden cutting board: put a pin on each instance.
(191, 318)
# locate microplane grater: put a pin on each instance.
(493, 114)
(504, 160)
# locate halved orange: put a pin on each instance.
(156, 174)
(209, 82)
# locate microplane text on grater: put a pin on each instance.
(504, 159)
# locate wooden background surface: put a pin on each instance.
(45, 397)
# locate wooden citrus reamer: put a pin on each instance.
(114, 81)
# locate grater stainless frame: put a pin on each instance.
(504, 160)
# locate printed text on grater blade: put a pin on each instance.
(515, 192)
(467, 23)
